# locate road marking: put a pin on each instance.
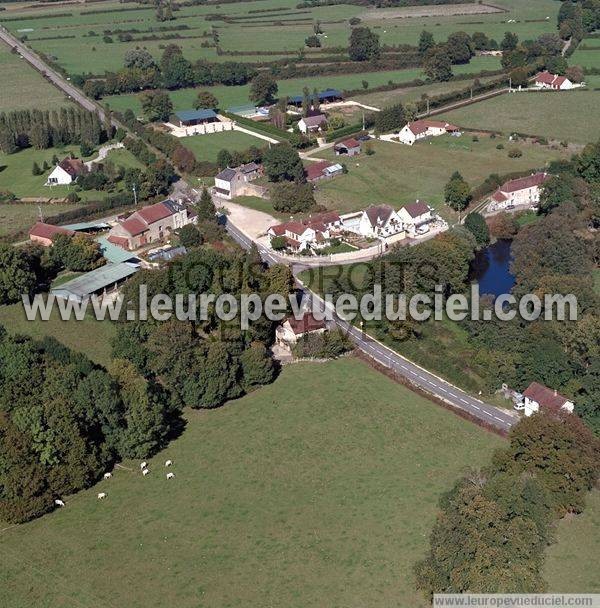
(475, 407)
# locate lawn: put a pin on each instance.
(277, 501)
(16, 172)
(572, 562)
(238, 95)
(207, 147)
(425, 169)
(23, 88)
(532, 113)
(89, 336)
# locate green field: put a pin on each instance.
(572, 562)
(23, 88)
(184, 99)
(535, 114)
(16, 175)
(206, 147)
(89, 336)
(397, 174)
(587, 58)
(278, 500)
(282, 30)
(19, 217)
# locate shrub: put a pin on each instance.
(500, 147)
(515, 153)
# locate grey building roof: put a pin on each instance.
(226, 175)
(115, 254)
(95, 281)
(201, 114)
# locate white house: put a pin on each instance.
(420, 129)
(66, 172)
(380, 221)
(313, 232)
(546, 80)
(309, 124)
(416, 217)
(524, 191)
(292, 329)
(230, 183)
(539, 396)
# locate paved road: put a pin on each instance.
(57, 79)
(416, 375)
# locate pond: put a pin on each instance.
(491, 269)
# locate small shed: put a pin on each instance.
(348, 147)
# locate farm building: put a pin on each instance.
(311, 124)
(191, 118)
(326, 96)
(524, 191)
(322, 170)
(546, 80)
(99, 282)
(420, 129)
(66, 172)
(43, 234)
(150, 224)
(348, 147)
(230, 183)
(539, 396)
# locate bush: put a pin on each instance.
(515, 153)
(500, 147)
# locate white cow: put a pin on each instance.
(101, 495)
(145, 472)
(168, 463)
(170, 475)
(107, 475)
(143, 465)
(59, 503)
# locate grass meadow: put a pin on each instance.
(229, 96)
(207, 147)
(23, 88)
(246, 29)
(536, 114)
(278, 500)
(398, 174)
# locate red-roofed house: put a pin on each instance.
(322, 169)
(348, 147)
(150, 224)
(44, 234)
(524, 191)
(539, 396)
(292, 329)
(420, 129)
(546, 80)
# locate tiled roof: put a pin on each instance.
(379, 215)
(348, 143)
(314, 121)
(514, 185)
(306, 324)
(134, 226)
(48, 231)
(154, 213)
(545, 396)
(73, 166)
(416, 209)
(421, 126)
(315, 170)
(226, 175)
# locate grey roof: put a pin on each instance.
(87, 226)
(167, 254)
(113, 253)
(314, 121)
(226, 175)
(173, 206)
(201, 114)
(94, 281)
(249, 167)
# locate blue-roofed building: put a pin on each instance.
(189, 118)
(326, 96)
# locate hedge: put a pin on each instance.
(264, 127)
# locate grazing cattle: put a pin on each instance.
(170, 475)
(107, 475)
(59, 503)
(101, 495)
(168, 463)
(143, 465)
(145, 472)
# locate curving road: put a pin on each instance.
(427, 382)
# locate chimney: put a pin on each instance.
(555, 392)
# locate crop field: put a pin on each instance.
(23, 88)
(277, 501)
(587, 58)
(206, 147)
(238, 95)
(73, 34)
(398, 174)
(533, 113)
